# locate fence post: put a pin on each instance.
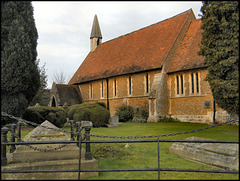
(12, 138)
(19, 131)
(87, 125)
(78, 124)
(4, 131)
(72, 130)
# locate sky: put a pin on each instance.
(64, 27)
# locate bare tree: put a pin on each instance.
(60, 77)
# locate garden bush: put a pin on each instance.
(140, 116)
(125, 113)
(54, 115)
(95, 113)
(102, 104)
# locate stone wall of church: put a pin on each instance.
(191, 99)
(162, 97)
(119, 91)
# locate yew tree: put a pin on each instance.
(19, 72)
(220, 48)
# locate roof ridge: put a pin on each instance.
(149, 25)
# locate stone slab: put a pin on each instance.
(50, 165)
(114, 121)
(223, 155)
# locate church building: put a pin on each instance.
(155, 68)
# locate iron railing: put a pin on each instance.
(84, 138)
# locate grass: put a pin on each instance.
(144, 155)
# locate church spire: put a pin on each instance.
(96, 35)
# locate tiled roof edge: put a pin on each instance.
(118, 75)
(148, 26)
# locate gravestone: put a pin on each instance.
(223, 155)
(114, 121)
(65, 157)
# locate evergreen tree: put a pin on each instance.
(219, 46)
(19, 73)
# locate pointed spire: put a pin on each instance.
(96, 32)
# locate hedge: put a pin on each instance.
(56, 116)
(95, 113)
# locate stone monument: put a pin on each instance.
(61, 157)
(114, 121)
(222, 155)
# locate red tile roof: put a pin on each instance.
(186, 56)
(141, 50)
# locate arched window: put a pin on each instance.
(115, 87)
(192, 80)
(102, 88)
(195, 87)
(90, 91)
(147, 83)
(197, 83)
(177, 84)
(181, 84)
(130, 85)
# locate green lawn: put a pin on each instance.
(145, 155)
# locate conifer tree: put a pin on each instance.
(220, 47)
(19, 73)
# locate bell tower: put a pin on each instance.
(96, 35)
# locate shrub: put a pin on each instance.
(144, 114)
(71, 110)
(95, 113)
(125, 113)
(140, 116)
(102, 104)
(56, 116)
(167, 119)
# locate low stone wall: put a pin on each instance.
(220, 117)
(192, 118)
(223, 155)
